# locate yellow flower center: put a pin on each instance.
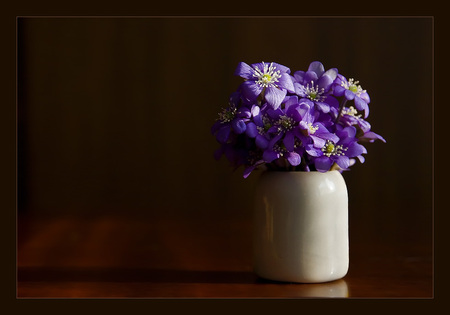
(313, 92)
(329, 147)
(285, 123)
(353, 86)
(266, 78)
(312, 129)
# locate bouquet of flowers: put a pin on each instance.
(313, 120)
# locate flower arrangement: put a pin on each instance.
(313, 120)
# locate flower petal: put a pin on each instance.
(251, 130)
(343, 162)
(313, 151)
(318, 142)
(310, 76)
(283, 69)
(275, 140)
(361, 158)
(305, 108)
(299, 76)
(323, 133)
(323, 107)
(360, 104)
(269, 156)
(258, 120)
(371, 136)
(248, 170)
(274, 113)
(364, 125)
(223, 133)
(285, 81)
(289, 141)
(323, 163)
(355, 149)
(332, 73)
(365, 97)
(216, 126)
(299, 89)
(243, 112)
(250, 90)
(291, 100)
(293, 158)
(348, 132)
(330, 136)
(255, 110)
(294, 113)
(261, 142)
(349, 95)
(339, 90)
(324, 82)
(332, 101)
(244, 71)
(274, 96)
(317, 67)
(238, 125)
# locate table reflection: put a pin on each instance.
(333, 289)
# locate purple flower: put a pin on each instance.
(273, 79)
(232, 119)
(312, 128)
(370, 136)
(281, 135)
(295, 123)
(229, 120)
(277, 150)
(286, 122)
(315, 84)
(258, 127)
(341, 151)
(351, 90)
(276, 131)
(350, 117)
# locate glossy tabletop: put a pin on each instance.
(118, 257)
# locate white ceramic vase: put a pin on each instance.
(301, 227)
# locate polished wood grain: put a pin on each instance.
(119, 257)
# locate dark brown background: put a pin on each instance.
(114, 115)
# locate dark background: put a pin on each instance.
(114, 115)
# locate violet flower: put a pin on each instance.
(259, 128)
(296, 123)
(341, 151)
(273, 79)
(232, 119)
(352, 91)
(350, 117)
(315, 84)
(228, 121)
(278, 127)
(312, 128)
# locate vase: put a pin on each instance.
(300, 231)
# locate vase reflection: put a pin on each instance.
(333, 289)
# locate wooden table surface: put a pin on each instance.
(116, 257)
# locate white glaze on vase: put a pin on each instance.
(301, 227)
